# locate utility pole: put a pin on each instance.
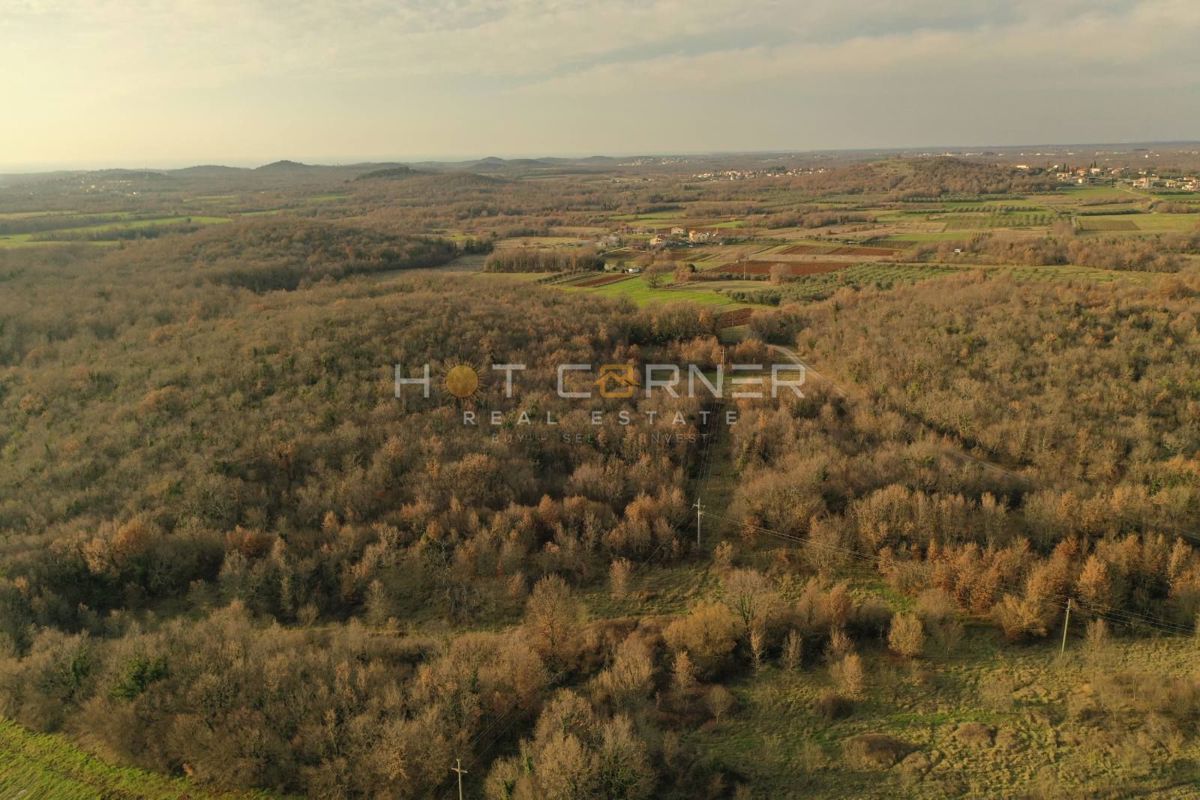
(1066, 622)
(699, 513)
(458, 768)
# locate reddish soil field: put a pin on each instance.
(730, 318)
(862, 250)
(793, 267)
(806, 250)
(837, 250)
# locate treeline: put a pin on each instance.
(816, 218)
(528, 259)
(1157, 254)
(285, 253)
(118, 233)
(924, 178)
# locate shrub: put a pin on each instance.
(719, 701)
(850, 676)
(939, 614)
(906, 636)
(708, 634)
(793, 650)
(975, 734)
(619, 574)
(552, 619)
(1096, 637)
(830, 705)
(750, 595)
(630, 677)
(684, 672)
(875, 750)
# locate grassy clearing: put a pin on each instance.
(1107, 224)
(1167, 223)
(639, 292)
(1024, 702)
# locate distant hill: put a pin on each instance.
(280, 166)
(494, 163)
(401, 171)
(128, 175)
(471, 178)
(208, 171)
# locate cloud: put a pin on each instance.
(1154, 40)
(425, 71)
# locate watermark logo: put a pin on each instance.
(626, 381)
(462, 381)
(618, 381)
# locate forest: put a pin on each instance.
(235, 553)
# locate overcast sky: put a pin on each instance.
(173, 82)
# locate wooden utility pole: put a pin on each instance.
(699, 513)
(458, 768)
(1066, 622)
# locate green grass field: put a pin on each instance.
(34, 765)
(916, 237)
(639, 292)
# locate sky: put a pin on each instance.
(95, 83)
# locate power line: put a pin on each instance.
(458, 769)
(1066, 623)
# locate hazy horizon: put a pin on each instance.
(171, 83)
(341, 161)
